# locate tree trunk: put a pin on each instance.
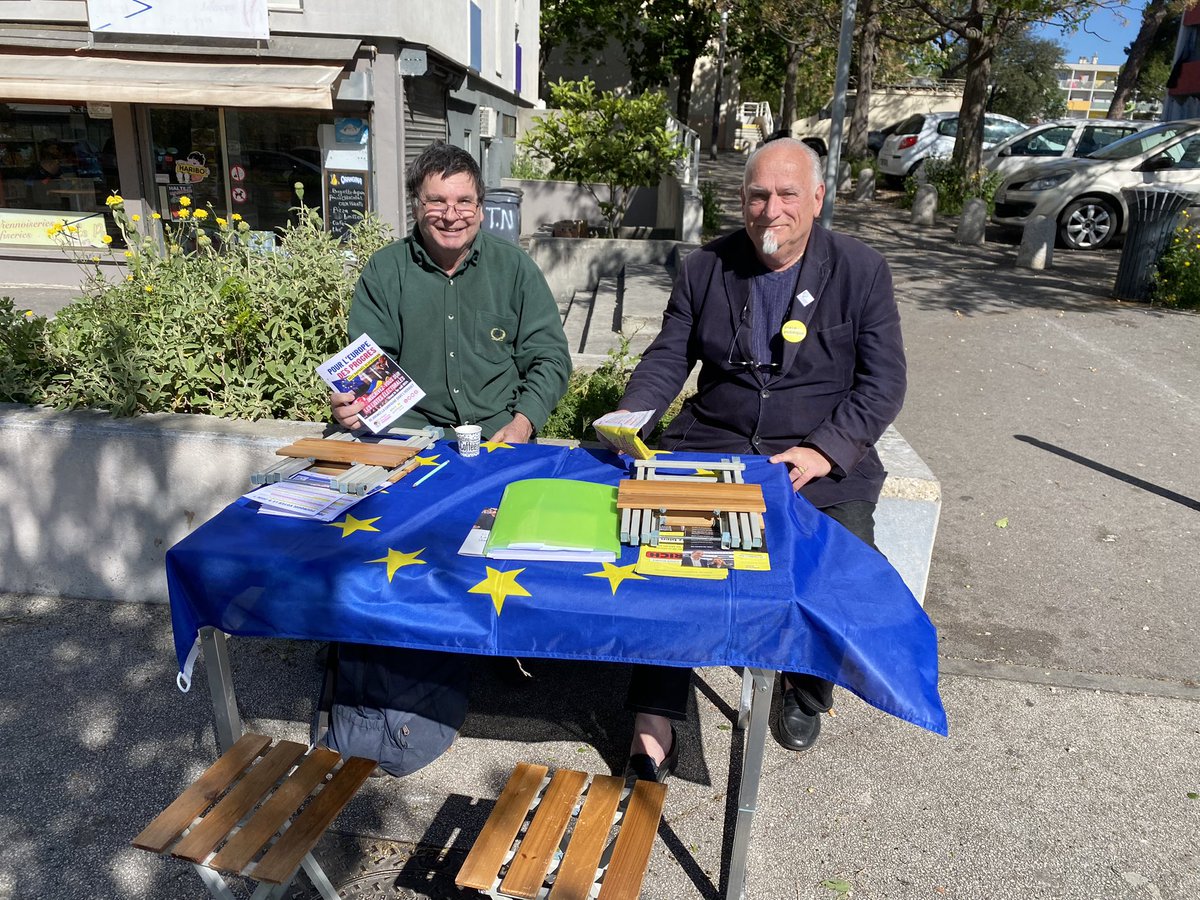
(1153, 16)
(787, 115)
(868, 54)
(685, 70)
(968, 145)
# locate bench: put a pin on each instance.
(257, 795)
(508, 860)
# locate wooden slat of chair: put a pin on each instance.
(631, 856)
(577, 872)
(487, 855)
(528, 868)
(242, 798)
(282, 860)
(264, 824)
(348, 452)
(172, 821)
(638, 494)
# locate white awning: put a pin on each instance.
(117, 80)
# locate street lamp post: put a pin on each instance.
(716, 117)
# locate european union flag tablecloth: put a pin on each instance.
(389, 573)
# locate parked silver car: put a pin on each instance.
(921, 136)
(1057, 139)
(1084, 195)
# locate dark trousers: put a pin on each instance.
(663, 690)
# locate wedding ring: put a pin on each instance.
(801, 469)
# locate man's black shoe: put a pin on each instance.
(799, 724)
(642, 768)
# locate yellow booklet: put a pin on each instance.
(622, 432)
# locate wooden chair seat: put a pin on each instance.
(257, 812)
(606, 839)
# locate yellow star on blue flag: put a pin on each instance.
(500, 586)
(397, 560)
(426, 460)
(496, 445)
(349, 525)
(616, 574)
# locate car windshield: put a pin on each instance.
(1141, 142)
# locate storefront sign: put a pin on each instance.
(212, 18)
(350, 130)
(237, 173)
(29, 227)
(173, 193)
(191, 169)
(99, 110)
(346, 200)
(239, 195)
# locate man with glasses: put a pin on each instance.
(798, 337)
(470, 317)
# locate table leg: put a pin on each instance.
(756, 739)
(747, 698)
(220, 685)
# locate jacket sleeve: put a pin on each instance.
(879, 383)
(541, 354)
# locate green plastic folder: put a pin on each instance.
(556, 518)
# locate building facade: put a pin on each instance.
(231, 103)
(1183, 87)
(1087, 87)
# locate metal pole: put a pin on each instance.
(841, 85)
(716, 122)
(763, 681)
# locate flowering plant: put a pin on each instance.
(1176, 280)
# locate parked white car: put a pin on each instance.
(1058, 139)
(1084, 195)
(926, 135)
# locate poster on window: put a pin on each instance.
(346, 200)
(212, 18)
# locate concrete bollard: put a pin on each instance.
(865, 189)
(843, 177)
(1037, 244)
(924, 207)
(972, 223)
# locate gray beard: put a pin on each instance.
(770, 246)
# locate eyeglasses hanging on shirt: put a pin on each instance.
(736, 357)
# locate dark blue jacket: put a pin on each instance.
(837, 390)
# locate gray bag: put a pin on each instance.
(402, 708)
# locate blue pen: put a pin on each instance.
(431, 472)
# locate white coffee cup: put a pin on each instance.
(468, 439)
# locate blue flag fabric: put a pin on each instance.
(389, 574)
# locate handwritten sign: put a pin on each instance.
(347, 199)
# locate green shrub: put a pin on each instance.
(1176, 281)
(527, 168)
(22, 354)
(710, 205)
(205, 323)
(954, 187)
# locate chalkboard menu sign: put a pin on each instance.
(346, 199)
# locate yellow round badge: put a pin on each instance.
(794, 331)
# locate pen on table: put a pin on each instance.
(431, 472)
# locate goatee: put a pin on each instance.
(770, 246)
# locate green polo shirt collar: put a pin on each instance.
(421, 255)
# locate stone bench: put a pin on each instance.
(90, 504)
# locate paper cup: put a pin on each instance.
(468, 439)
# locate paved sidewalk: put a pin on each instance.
(1063, 426)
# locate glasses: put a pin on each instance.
(466, 209)
(735, 347)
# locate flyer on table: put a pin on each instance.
(365, 371)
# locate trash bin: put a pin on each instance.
(1153, 213)
(502, 213)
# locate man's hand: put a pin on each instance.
(345, 410)
(605, 441)
(804, 463)
(518, 431)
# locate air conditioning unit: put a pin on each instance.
(487, 122)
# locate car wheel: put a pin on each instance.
(1088, 223)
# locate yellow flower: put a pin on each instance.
(129, 278)
(183, 213)
(107, 239)
(114, 201)
(237, 217)
(201, 214)
(149, 289)
(1186, 264)
(221, 223)
(52, 231)
(135, 217)
(155, 215)
(129, 254)
(95, 259)
(185, 202)
(72, 229)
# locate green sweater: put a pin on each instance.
(483, 343)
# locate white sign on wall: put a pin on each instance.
(210, 18)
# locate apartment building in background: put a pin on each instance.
(230, 103)
(1087, 87)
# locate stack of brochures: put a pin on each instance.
(551, 519)
(305, 495)
(621, 430)
(694, 551)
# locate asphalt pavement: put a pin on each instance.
(1063, 426)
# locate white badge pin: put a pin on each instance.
(805, 298)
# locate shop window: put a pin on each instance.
(56, 163)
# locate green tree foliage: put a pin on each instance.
(663, 39)
(574, 25)
(1024, 76)
(1155, 14)
(600, 138)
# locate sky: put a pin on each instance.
(1106, 34)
